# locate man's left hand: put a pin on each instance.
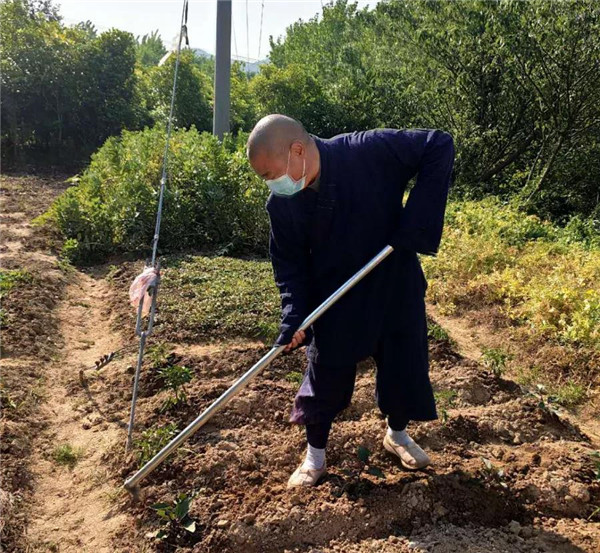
(297, 339)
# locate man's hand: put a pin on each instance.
(297, 339)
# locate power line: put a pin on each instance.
(247, 39)
(262, 10)
(155, 263)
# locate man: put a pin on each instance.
(335, 203)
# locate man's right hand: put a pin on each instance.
(297, 339)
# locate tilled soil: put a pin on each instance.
(509, 474)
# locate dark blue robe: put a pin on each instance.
(321, 238)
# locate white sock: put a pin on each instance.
(400, 437)
(315, 458)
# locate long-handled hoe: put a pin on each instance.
(132, 483)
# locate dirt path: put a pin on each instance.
(74, 509)
(466, 336)
(58, 325)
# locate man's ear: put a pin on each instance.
(298, 148)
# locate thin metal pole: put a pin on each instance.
(155, 263)
(163, 179)
(241, 383)
(222, 70)
(135, 391)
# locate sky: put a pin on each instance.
(143, 16)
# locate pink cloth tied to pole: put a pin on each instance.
(139, 288)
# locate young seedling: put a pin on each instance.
(596, 460)
(445, 400)
(295, 377)
(495, 360)
(545, 401)
(174, 378)
(354, 485)
(153, 440)
(6, 401)
(594, 513)
(364, 454)
(491, 473)
(173, 516)
(158, 355)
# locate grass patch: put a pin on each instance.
(10, 278)
(67, 455)
(438, 333)
(530, 376)
(219, 297)
(295, 377)
(6, 399)
(65, 266)
(569, 395)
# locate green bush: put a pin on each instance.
(542, 275)
(213, 201)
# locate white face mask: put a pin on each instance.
(286, 185)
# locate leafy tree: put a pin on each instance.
(44, 8)
(37, 75)
(193, 100)
(558, 61)
(65, 89)
(110, 88)
(516, 83)
(206, 64)
(243, 104)
(332, 56)
(88, 28)
(150, 49)
(295, 92)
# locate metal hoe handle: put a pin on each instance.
(242, 382)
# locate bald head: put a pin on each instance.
(280, 144)
(273, 135)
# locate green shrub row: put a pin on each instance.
(213, 201)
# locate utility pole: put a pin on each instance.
(222, 69)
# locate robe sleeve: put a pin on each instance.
(428, 153)
(289, 253)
